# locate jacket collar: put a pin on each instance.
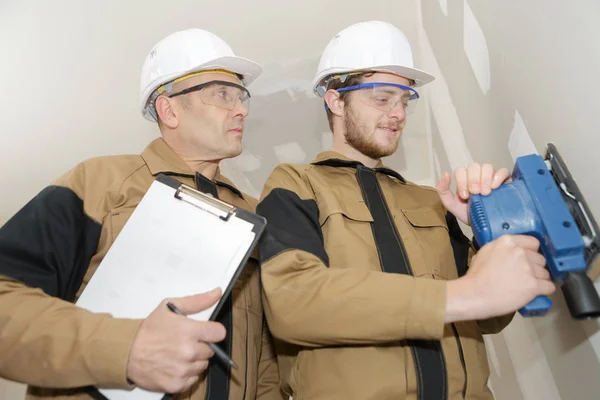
(160, 158)
(334, 155)
(335, 159)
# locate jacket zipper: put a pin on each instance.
(462, 359)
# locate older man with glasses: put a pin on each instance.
(194, 88)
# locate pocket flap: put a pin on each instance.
(425, 217)
(351, 209)
(358, 212)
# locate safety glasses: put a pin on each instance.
(385, 96)
(222, 94)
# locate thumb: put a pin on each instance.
(443, 189)
(198, 302)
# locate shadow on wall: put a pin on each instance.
(287, 124)
(284, 125)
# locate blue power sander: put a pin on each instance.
(544, 201)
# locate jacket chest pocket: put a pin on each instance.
(356, 211)
(346, 223)
(430, 241)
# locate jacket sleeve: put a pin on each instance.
(464, 251)
(268, 370)
(310, 303)
(46, 340)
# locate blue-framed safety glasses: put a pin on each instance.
(384, 96)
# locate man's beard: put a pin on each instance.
(357, 136)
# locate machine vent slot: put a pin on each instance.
(478, 220)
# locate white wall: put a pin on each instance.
(522, 70)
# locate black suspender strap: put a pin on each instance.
(430, 366)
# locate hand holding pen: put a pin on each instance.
(220, 353)
(168, 354)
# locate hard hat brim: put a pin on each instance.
(420, 77)
(239, 65)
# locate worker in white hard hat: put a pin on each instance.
(370, 287)
(196, 90)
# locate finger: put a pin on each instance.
(546, 288)
(525, 241)
(474, 178)
(203, 352)
(460, 175)
(540, 272)
(197, 368)
(501, 176)
(487, 172)
(443, 184)
(198, 302)
(208, 331)
(443, 189)
(536, 258)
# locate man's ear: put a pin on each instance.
(167, 114)
(334, 102)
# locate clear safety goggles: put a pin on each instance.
(222, 94)
(385, 96)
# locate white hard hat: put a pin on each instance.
(368, 46)
(185, 52)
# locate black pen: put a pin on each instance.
(213, 346)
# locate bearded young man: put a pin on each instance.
(370, 288)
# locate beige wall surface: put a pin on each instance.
(507, 72)
(513, 76)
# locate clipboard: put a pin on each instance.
(177, 242)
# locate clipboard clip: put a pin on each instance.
(205, 202)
